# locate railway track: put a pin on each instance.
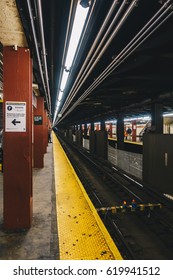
(141, 233)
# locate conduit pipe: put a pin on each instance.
(119, 61)
(93, 46)
(36, 48)
(114, 63)
(39, 8)
(65, 45)
(88, 70)
(125, 51)
(64, 55)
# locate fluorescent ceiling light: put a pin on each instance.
(60, 95)
(138, 118)
(111, 121)
(78, 25)
(79, 21)
(64, 80)
(168, 114)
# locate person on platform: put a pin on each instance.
(49, 135)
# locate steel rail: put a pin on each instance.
(159, 223)
(96, 200)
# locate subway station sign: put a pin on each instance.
(38, 120)
(15, 116)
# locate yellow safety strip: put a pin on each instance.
(82, 234)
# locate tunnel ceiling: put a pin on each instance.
(132, 67)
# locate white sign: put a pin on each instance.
(15, 116)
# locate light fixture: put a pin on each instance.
(60, 95)
(137, 118)
(78, 24)
(85, 3)
(168, 114)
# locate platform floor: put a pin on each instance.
(65, 223)
(82, 235)
(40, 241)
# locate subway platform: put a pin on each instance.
(40, 241)
(65, 224)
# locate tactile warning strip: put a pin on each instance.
(82, 235)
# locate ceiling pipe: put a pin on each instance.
(121, 56)
(67, 38)
(93, 46)
(77, 51)
(52, 51)
(106, 72)
(92, 60)
(82, 36)
(123, 19)
(40, 17)
(126, 49)
(120, 60)
(36, 48)
(119, 25)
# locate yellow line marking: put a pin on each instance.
(82, 234)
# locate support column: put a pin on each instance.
(110, 130)
(102, 125)
(17, 179)
(92, 139)
(70, 134)
(38, 133)
(102, 141)
(79, 136)
(157, 118)
(120, 133)
(85, 131)
(134, 131)
(73, 129)
(101, 149)
(97, 126)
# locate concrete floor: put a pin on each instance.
(40, 242)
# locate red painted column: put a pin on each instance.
(110, 130)
(134, 131)
(97, 127)
(38, 134)
(17, 179)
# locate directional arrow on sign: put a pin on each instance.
(15, 121)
